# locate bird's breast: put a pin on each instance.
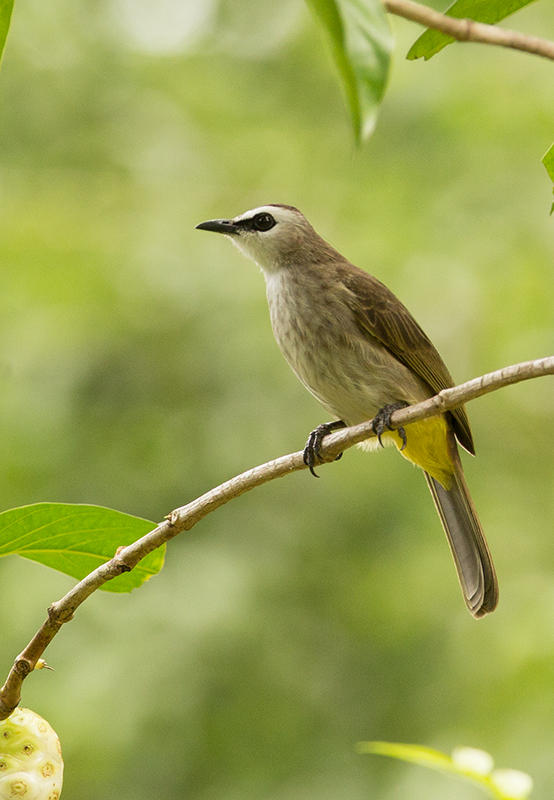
(352, 374)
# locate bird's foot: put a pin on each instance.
(381, 422)
(312, 451)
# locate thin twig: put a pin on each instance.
(185, 517)
(467, 30)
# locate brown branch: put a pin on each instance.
(183, 518)
(467, 30)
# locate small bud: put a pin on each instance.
(470, 759)
(41, 664)
(513, 783)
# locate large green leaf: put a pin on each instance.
(76, 539)
(6, 7)
(548, 161)
(490, 11)
(361, 43)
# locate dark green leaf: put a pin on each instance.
(75, 539)
(490, 11)
(6, 7)
(361, 44)
(548, 161)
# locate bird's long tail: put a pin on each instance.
(467, 542)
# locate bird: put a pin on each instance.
(360, 352)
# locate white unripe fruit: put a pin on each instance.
(31, 764)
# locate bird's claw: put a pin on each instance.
(312, 451)
(381, 422)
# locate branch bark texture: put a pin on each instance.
(467, 30)
(185, 517)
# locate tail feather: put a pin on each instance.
(467, 542)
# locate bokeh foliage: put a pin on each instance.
(138, 370)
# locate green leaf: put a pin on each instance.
(361, 44)
(490, 11)
(6, 7)
(75, 539)
(548, 161)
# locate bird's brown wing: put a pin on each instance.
(379, 313)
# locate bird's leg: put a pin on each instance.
(381, 421)
(312, 450)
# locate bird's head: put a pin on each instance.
(274, 236)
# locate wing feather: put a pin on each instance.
(380, 314)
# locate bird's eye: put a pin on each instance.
(263, 222)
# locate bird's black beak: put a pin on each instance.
(219, 226)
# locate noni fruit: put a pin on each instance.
(31, 764)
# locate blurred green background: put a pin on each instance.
(138, 370)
